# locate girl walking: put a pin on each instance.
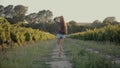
(61, 31)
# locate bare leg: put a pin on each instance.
(58, 43)
(60, 46)
(61, 42)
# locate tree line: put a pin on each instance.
(43, 19)
(74, 26)
(17, 13)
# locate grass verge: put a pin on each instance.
(81, 58)
(106, 48)
(29, 56)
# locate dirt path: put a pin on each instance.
(59, 61)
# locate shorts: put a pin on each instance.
(60, 36)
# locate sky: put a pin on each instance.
(77, 10)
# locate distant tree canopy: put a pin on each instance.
(96, 22)
(74, 27)
(19, 14)
(44, 16)
(106, 21)
(1, 10)
(9, 11)
(13, 14)
(73, 22)
(109, 20)
(43, 20)
(31, 18)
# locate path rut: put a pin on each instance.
(59, 61)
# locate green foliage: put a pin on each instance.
(47, 27)
(27, 36)
(17, 34)
(108, 33)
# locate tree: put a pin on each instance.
(73, 23)
(96, 21)
(97, 24)
(44, 16)
(109, 20)
(72, 26)
(1, 10)
(31, 18)
(20, 12)
(9, 11)
(41, 20)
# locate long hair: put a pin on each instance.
(63, 26)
